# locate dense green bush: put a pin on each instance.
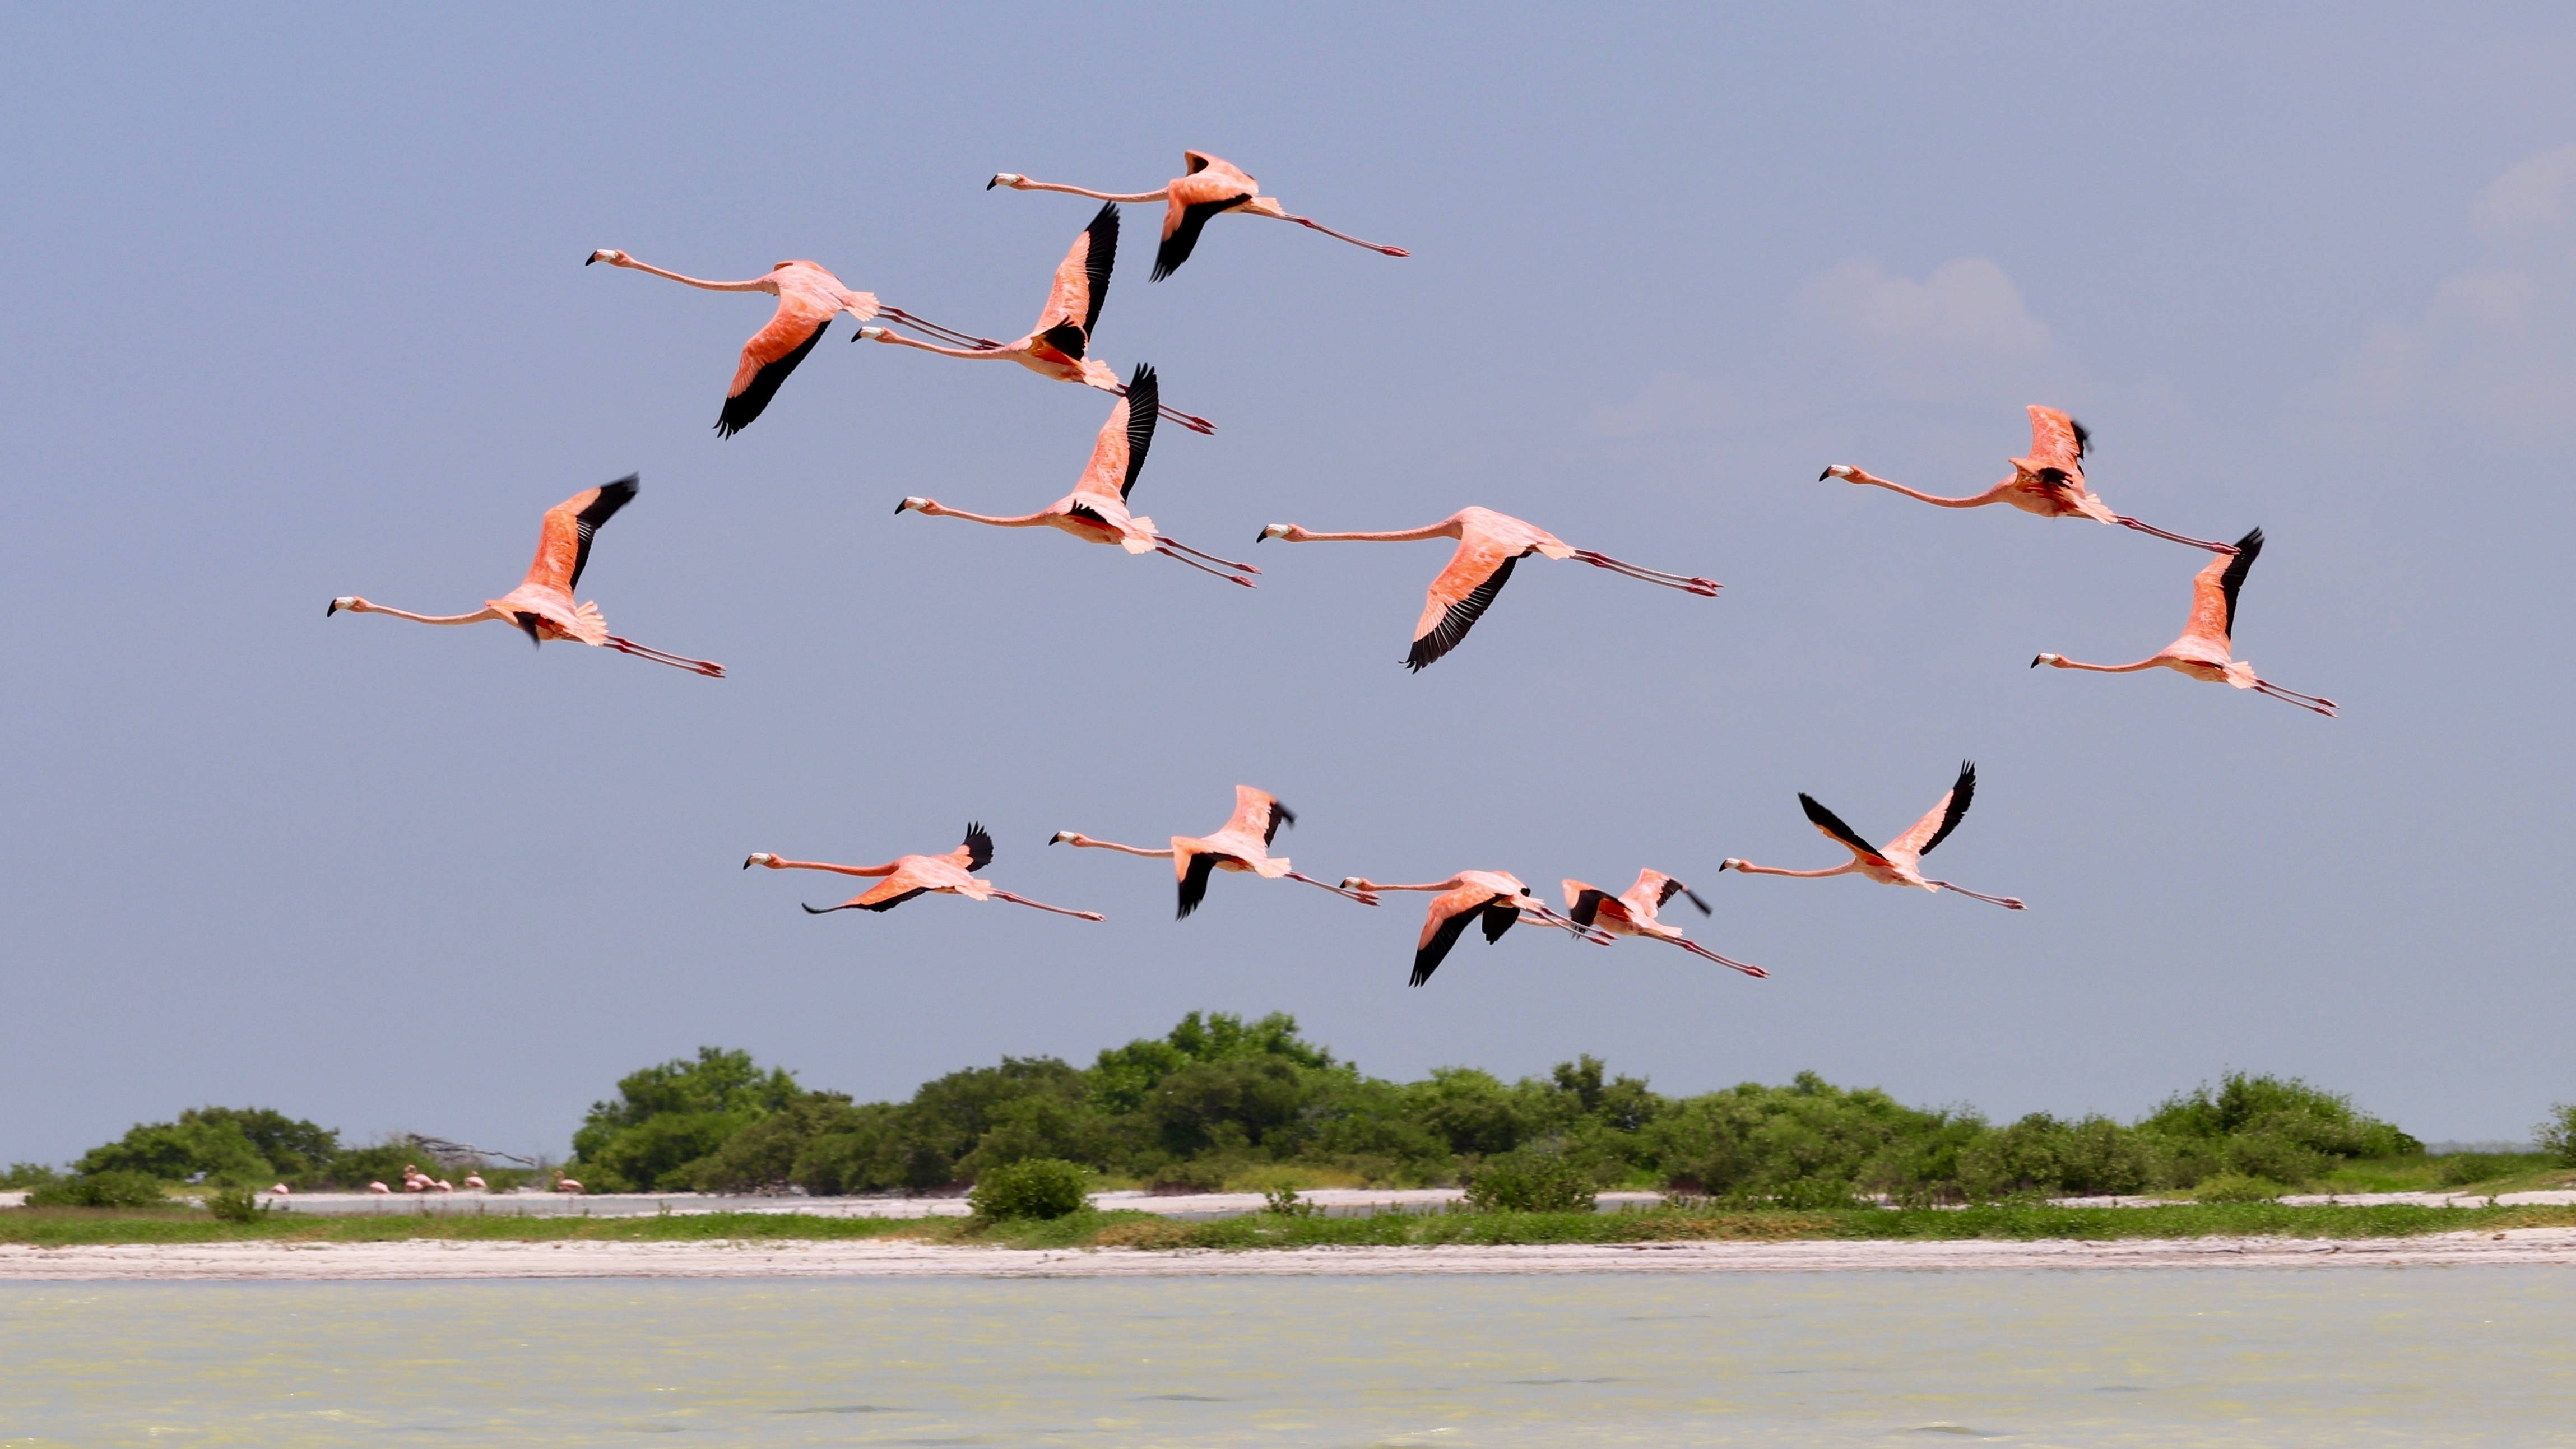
(26, 1175)
(233, 1204)
(667, 1117)
(1035, 1187)
(1530, 1180)
(2557, 1135)
(114, 1187)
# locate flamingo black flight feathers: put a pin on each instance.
(1436, 950)
(1177, 247)
(1461, 617)
(1832, 824)
(1144, 404)
(979, 847)
(1960, 794)
(1587, 906)
(612, 497)
(1279, 815)
(1194, 884)
(1099, 260)
(2237, 569)
(741, 408)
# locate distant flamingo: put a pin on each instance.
(1489, 545)
(1212, 188)
(2205, 650)
(1242, 844)
(279, 1190)
(567, 1184)
(1495, 898)
(378, 1187)
(808, 298)
(1059, 347)
(474, 1181)
(911, 875)
(1096, 510)
(1899, 862)
(1633, 914)
(542, 606)
(2049, 482)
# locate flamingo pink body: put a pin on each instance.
(1490, 544)
(1242, 844)
(1059, 346)
(2048, 481)
(2206, 650)
(809, 297)
(378, 1187)
(1096, 510)
(1495, 898)
(567, 1184)
(1899, 862)
(474, 1181)
(279, 1190)
(1210, 187)
(912, 875)
(542, 605)
(1632, 913)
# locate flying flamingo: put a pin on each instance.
(1213, 187)
(1242, 844)
(1633, 914)
(2049, 482)
(2204, 651)
(1899, 862)
(911, 875)
(543, 606)
(1489, 545)
(809, 297)
(1495, 898)
(1096, 510)
(1059, 346)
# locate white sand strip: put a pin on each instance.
(412, 1260)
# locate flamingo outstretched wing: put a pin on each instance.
(563, 540)
(1944, 817)
(1834, 828)
(2056, 441)
(1460, 596)
(1081, 285)
(773, 352)
(1192, 201)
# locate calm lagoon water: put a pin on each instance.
(2206, 1358)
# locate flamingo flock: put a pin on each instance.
(1062, 346)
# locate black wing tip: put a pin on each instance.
(2083, 438)
(821, 910)
(1105, 219)
(1067, 338)
(979, 846)
(1142, 376)
(1587, 907)
(2250, 545)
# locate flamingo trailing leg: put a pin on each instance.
(2207, 651)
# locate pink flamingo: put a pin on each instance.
(1211, 187)
(2206, 651)
(1495, 898)
(542, 605)
(1489, 545)
(279, 1190)
(567, 1184)
(809, 297)
(378, 1187)
(1242, 844)
(911, 875)
(1096, 510)
(2049, 482)
(1899, 862)
(474, 1181)
(1059, 346)
(1633, 914)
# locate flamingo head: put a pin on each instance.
(2054, 661)
(1067, 837)
(1730, 863)
(1288, 531)
(610, 255)
(350, 602)
(870, 334)
(916, 504)
(760, 857)
(1011, 179)
(1839, 470)
(1356, 883)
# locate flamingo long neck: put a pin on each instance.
(757, 284)
(1025, 520)
(2149, 663)
(1445, 528)
(1749, 868)
(477, 617)
(1164, 854)
(1451, 884)
(1138, 196)
(868, 870)
(1991, 495)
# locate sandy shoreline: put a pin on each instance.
(2527, 1247)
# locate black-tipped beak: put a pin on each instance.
(333, 608)
(899, 506)
(1258, 537)
(586, 261)
(1828, 473)
(989, 185)
(746, 862)
(2034, 661)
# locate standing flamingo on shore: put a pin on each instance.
(1242, 844)
(809, 297)
(1096, 510)
(1495, 898)
(1212, 187)
(1633, 914)
(911, 875)
(1899, 862)
(2206, 650)
(2049, 482)
(542, 606)
(1059, 346)
(1489, 545)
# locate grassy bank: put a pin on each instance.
(67, 1227)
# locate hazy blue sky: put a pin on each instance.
(295, 308)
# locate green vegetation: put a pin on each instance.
(2557, 1136)
(2016, 1222)
(1034, 1187)
(237, 1148)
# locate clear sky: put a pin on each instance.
(295, 308)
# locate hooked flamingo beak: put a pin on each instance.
(333, 609)
(2034, 660)
(1828, 473)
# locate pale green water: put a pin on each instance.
(2204, 1358)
